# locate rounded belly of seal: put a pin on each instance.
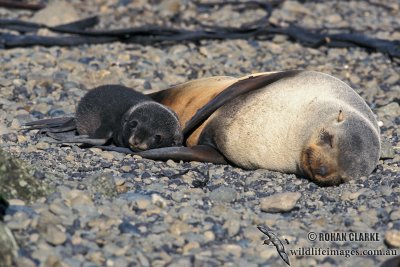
(260, 132)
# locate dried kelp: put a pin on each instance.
(79, 32)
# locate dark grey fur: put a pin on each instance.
(119, 114)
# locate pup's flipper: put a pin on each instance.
(62, 135)
(243, 86)
(55, 125)
(118, 149)
(200, 153)
(82, 139)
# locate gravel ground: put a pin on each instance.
(110, 209)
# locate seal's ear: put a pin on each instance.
(340, 117)
(231, 92)
(199, 153)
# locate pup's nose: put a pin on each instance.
(136, 143)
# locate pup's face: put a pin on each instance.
(341, 150)
(151, 126)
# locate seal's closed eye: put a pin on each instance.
(326, 138)
(133, 124)
(157, 138)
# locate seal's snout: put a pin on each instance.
(322, 170)
(343, 151)
(319, 166)
(178, 139)
(137, 144)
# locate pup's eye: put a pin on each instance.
(157, 138)
(133, 124)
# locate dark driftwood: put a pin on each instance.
(261, 29)
(12, 40)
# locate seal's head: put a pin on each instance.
(150, 125)
(345, 147)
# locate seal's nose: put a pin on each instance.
(178, 139)
(135, 143)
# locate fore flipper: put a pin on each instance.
(55, 125)
(202, 153)
(243, 86)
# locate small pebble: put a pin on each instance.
(223, 194)
(281, 202)
(392, 238)
(42, 146)
(54, 235)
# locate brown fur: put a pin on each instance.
(185, 99)
(307, 123)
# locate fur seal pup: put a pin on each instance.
(118, 114)
(302, 122)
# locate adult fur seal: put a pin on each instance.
(118, 114)
(302, 122)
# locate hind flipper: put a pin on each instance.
(83, 139)
(62, 135)
(54, 125)
(48, 122)
(69, 125)
(119, 149)
(201, 153)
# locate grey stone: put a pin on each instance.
(8, 246)
(103, 184)
(4, 129)
(392, 238)
(281, 202)
(387, 151)
(54, 235)
(223, 194)
(395, 215)
(56, 13)
(24, 262)
(232, 226)
(180, 262)
(17, 182)
(391, 110)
